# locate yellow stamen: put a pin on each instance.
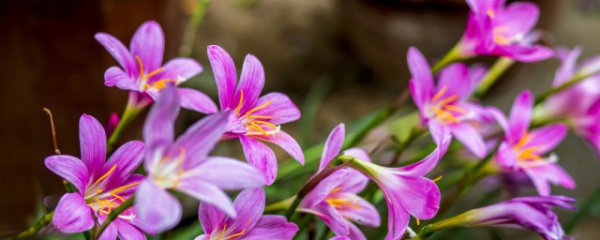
(455, 108)
(106, 174)
(239, 106)
(491, 13)
(499, 39)
(529, 153)
(447, 100)
(124, 187)
(258, 117)
(117, 196)
(339, 203)
(236, 235)
(153, 73)
(418, 221)
(439, 94)
(265, 123)
(139, 60)
(524, 140)
(257, 108)
(438, 178)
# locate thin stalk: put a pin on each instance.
(129, 114)
(499, 67)
(191, 29)
(452, 56)
(41, 223)
(566, 85)
(112, 216)
(281, 205)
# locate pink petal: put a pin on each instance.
(251, 83)
(227, 173)
(419, 196)
(128, 231)
(325, 187)
(288, 144)
(520, 115)
(261, 157)
(567, 68)
(92, 140)
(114, 76)
(157, 209)
(179, 69)
(158, 128)
(542, 176)
(69, 168)
(126, 159)
(470, 138)
(518, 18)
(249, 206)
(224, 70)
(200, 138)
(72, 214)
(333, 145)
(110, 233)
(119, 52)
(211, 218)
(422, 80)
(525, 53)
(272, 227)
(363, 212)
(207, 193)
(280, 108)
(442, 138)
(332, 218)
(197, 101)
(454, 79)
(148, 43)
(547, 137)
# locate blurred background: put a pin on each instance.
(337, 59)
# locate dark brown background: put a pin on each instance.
(49, 58)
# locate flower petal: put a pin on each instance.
(280, 108)
(566, 70)
(69, 168)
(211, 218)
(288, 144)
(110, 233)
(251, 83)
(418, 195)
(92, 140)
(126, 159)
(525, 53)
(318, 194)
(520, 115)
(333, 145)
(261, 157)
(518, 18)
(454, 79)
(249, 206)
(148, 43)
(272, 227)
(470, 138)
(119, 52)
(398, 219)
(332, 218)
(196, 101)
(361, 212)
(542, 176)
(421, 83)
(200, 138)
(227, 173)
(224, 70)
(114, 76)
(442, 138)
(159, 125)
(547, 137)
(207, 193)
(157, 210)
(128, 231)
(179, 70)
(72, 214)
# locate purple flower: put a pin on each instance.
(101, 185)
(407, 192)
(141, 71)
(523, 150)
(579, 105)
(495, 29)
(445, 104)
(250, 223)
(335, 198)
(254, 118)
(184, 165)
(533, 213)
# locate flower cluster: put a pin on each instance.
(138, 191)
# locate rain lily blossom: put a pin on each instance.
(407, 192)
(523, 150)
(184, 165)
(101, 185)
(496, 29)
(250, 223)
(141, 71)
(255, 118)
(445, 104)
(335, 199)
(531, 213)
(579, 105)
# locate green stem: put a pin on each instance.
(41, 223)
(499, 67)
(452, 56)
(281, 205)
(112, 216)
(129, 114)
(566, 85)
(583, 211)
(189, 35)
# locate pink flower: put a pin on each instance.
(101, 185)
(495, 29)
(141, 71)
(255, 118)
(523, 150)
